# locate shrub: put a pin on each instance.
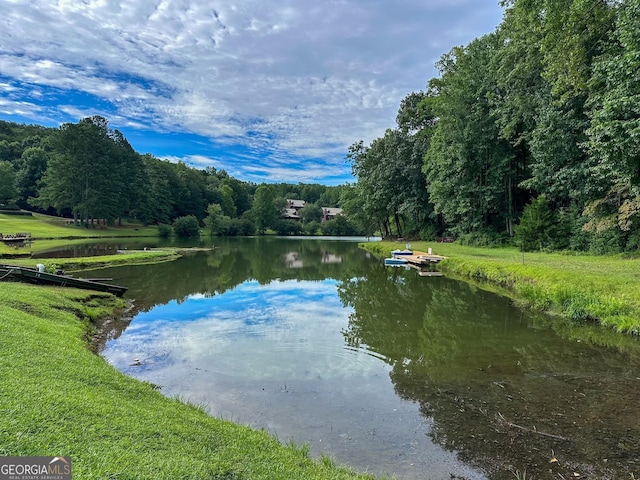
(312, 228)
(537, 225)
(340, 226)
(9, 206)
(428, 233)
(607, 242)
(239, 227)
(164, 230)
(248, 227)
(484, 239)
(185, 227)
(288, 227)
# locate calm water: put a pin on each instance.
(383, 370)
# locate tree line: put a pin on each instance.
(530, 134)
(88, 170)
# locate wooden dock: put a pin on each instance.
(422, 258)
(12, 239)
(422, 271)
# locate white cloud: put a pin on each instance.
(302, 79)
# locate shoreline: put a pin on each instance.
(112, 424)
(61, 398)
(588, 291)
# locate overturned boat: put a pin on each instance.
(39, 277)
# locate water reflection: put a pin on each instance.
(507, 395)
(273, 356)
(386, 370)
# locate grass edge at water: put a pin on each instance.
(58, 398)
(602, 290)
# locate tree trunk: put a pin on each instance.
(397, 220)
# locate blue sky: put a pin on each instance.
(269, 91)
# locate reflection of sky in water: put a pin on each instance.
(282, 330)
(273, 356)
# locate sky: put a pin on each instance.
(270, 91)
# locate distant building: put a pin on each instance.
(291, 214)
(295, 204)
(330, 213)
(292, 210)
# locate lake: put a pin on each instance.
(380, 369)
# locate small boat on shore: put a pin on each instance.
(406, 251)
(395, 261)
(38, 277)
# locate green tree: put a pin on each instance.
(8, 190)
(312, 227)
(560, 167)
(240, 195)
(353, 201)
(31, 167)
(339, 226)
(226, 201)
(472, 173)
(189, 191)
(364, 202)
(311, 193)
(288, 227)
(186, 227)
(155, 204)
(574, 34)
(216, 222)
(535, 230)
(310, 212)
(614, 103)
(128, 184)
(79, 176)
(164, 230)
(330, 197)
(266, 211)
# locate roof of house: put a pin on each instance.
(291, 213)
(331, 211)
(295, 203)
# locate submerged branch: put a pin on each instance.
(504, 421)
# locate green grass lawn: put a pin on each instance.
(55, 231)
(57, 398)
(584, 288)
(44, 226)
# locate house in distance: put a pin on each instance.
(292, 210)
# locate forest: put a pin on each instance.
(89, 172)
(530, 135)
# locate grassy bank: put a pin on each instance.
(44, 226)
(89, 263)
(583, 288)
(57, 398)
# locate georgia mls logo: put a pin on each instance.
(66, 465)
(35, 468)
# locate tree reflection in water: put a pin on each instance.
(506, 391)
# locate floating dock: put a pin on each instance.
(422, 258)
(420, 261)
